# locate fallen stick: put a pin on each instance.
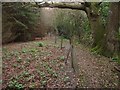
(116, 68)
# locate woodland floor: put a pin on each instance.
(28, 65)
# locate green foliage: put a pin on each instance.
(25, 74)
(43, 82)
(19, 59)
(19, 19)
(33, 50)
(24, 50)
(104, 11)
(15, 84)
(116, 59)
(55, 75)
(86, 36)
(40, 44)
(62, 58)
(32, 85)
(15, 65)
(68, 23)
(85, 25)
(66, 79)
(96, 50)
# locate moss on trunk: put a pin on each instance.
(112, 31)
(97, 27)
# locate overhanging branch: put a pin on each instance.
(67, 5)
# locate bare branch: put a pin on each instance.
(67, 5)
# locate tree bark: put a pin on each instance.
(56, 35)
(64, 5)
(74, 63)
(72, 53)
(112, 40)
(95, 24)
(61, 42)
(119, 32)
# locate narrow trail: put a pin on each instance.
(73, 79)
(94, 71)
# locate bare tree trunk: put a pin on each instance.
(119, 46)
(112, 40)
(55, 39)
(72, 57)
(55, 36)
(112, 34)
(79, 38)
(119, 33)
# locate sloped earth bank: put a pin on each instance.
(96, 71)
(29, 65)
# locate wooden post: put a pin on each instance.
(61, 41)
(55, 35)
(73, 60)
